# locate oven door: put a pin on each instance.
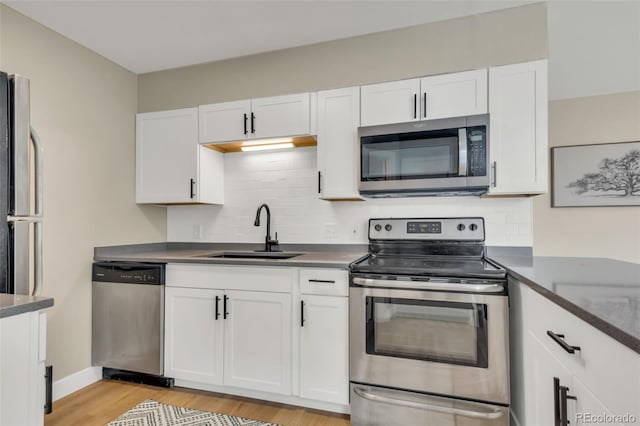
(427, 341)
(376, 406)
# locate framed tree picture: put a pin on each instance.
(596, 175)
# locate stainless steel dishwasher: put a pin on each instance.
(128, 321)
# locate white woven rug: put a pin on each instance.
(153, 413)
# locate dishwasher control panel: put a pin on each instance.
(128, 272)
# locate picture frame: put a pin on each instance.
(596, 175)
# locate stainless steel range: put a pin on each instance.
(429, 327)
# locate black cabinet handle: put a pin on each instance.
(415, 105)
(557, 415)
(192, 183)
(322, 281)
(319, 180)
(302, 313)
(564, 396)
(224, 307)
(424, 104)
(253, 123)
(245, 123)
(559, 339)
(217, 302)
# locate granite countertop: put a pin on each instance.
(312, 255)
(603, 292)
(16, 304)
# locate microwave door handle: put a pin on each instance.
(462, 151)
(488, 415)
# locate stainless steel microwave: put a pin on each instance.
(435, 157)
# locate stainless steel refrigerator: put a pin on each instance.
(20, 191)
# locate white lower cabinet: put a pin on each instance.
(193, 335)
(230, 329)
(324, 348)
(600, 375)
(22, 356)
(235, 338)
(257, 341)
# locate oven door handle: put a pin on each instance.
(490, 415)
(430, 285)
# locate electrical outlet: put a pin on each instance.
(197, 232)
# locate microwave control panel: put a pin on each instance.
(477, 150)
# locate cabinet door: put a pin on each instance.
(392, 102)
(518, 139)
(539, 392)
(587, 405)
(166, 156)
(22, 370)
(453, 95)
(280, 116)
(193, 335)
(257, 344)
(338, 147)
(324, 348)
(223, 122)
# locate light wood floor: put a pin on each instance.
(102, 402)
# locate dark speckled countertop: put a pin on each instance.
(603, 292)
(311, 255)
(16, 304)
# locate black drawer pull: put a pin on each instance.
(322, 281)
(225, 313)
(217, 312)
(559, 339)
(302, 313)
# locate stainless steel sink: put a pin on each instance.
(251, 255)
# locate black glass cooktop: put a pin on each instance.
(441, 266)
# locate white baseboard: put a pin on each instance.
(76, 381)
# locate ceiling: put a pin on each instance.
(145, 36)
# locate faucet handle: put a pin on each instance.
(273, 242)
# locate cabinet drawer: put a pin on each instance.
(330, 282)
(230, 277)
(608, 368)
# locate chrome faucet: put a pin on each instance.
(268, 242)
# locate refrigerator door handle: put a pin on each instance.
(39, 211)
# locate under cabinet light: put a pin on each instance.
(267, 141)
(266, 147)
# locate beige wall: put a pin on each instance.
(496, 38)
(83, 107)
(590, 231)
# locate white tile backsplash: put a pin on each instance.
(286, 181)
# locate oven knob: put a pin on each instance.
(387, 227)
(377, 227)
(461, 227)
(473, 226)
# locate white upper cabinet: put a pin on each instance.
(518, 131)
(171, 167)
(453, 95)
(227, 121)
(277, 116)
(391, 102)
(427, 98)
(338, 121)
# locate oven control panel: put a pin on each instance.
(455, 229)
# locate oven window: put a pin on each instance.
(416, 155)
(447, 332)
